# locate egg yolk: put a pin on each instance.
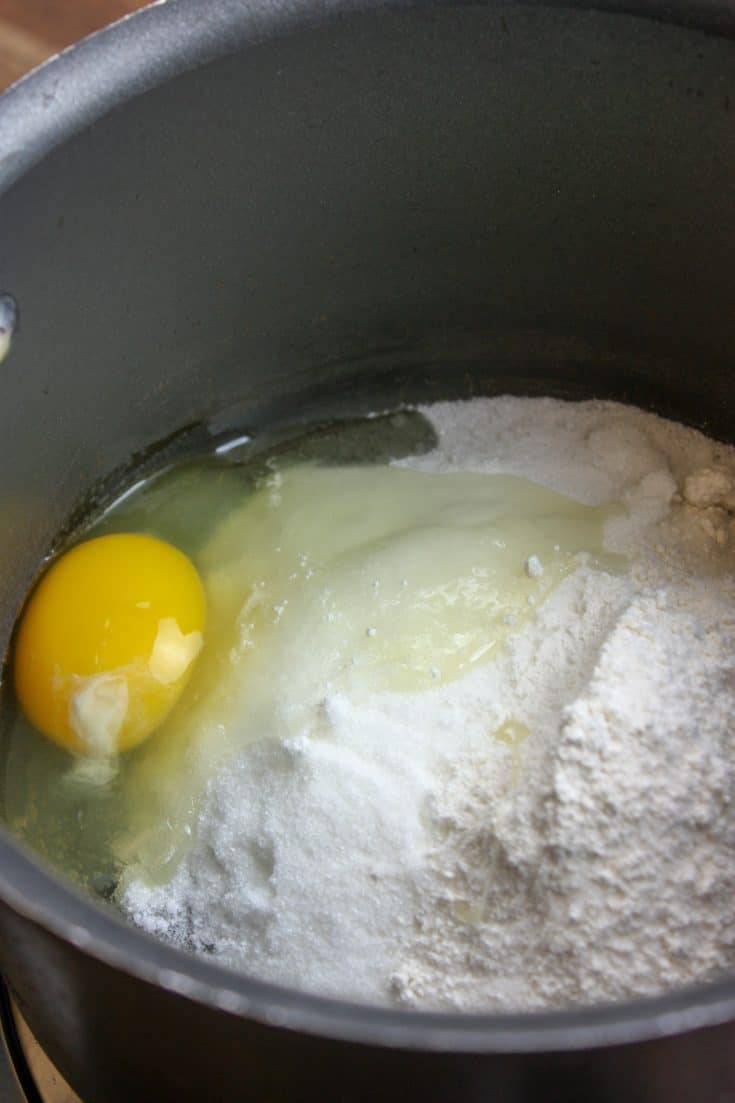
(107, 642)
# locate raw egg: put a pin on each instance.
(107, 642)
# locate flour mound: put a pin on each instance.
(398, 850)
(611, 871)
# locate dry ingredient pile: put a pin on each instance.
(557, 825)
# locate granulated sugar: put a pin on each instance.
(555, 827)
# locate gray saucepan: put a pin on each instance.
(229, 214)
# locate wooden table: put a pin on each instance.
(32, 30)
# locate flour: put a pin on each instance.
(555, 827)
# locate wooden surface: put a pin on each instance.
(32, 30)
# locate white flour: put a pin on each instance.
(397, 850)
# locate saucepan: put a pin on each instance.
(239, 213)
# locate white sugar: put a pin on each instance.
(400, 849)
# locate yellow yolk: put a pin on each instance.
(107, 642)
